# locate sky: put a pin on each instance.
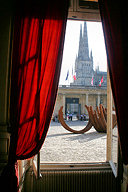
(71, 45)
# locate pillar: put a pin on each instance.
(64, 105)
(86, 98)
(83, 100)
(86, 102)
(98, 100)
(5, 29)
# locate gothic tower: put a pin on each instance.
(84, 60)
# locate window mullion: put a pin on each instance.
(109, 119)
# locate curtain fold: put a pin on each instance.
(35, 76)
(36, 62)
(114, 17)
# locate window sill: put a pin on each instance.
(75, 166)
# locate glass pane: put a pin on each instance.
(90, 0)
(115, 145)
(90, 4)
(35, 162)
(114, 139)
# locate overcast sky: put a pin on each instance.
(96, 44)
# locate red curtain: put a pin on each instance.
(35, 74)
(114, 16)
(36, 62)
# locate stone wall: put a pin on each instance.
(87, 96)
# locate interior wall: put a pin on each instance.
(125, 179)
(5, 34)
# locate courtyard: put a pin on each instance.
(61, 146)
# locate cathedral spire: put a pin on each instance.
(91, 57)
(85, 36)
(85, 42)
(80, 44)
(80, 32)
(83, 52)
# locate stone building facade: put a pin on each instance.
(74, 99)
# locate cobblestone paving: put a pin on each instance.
(65, 147)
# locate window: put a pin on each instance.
(112, 135)
(75, 107)
(89, 4)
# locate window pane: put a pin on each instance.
(88, 0)
(91, 4)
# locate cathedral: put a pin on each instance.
(85, 74)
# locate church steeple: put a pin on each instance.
(83, 52)
(84, 61)
(85, 42)
(91, 57)
(85, 30)
(80, 32)
(80, 43)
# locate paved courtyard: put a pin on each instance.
(65, 147)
